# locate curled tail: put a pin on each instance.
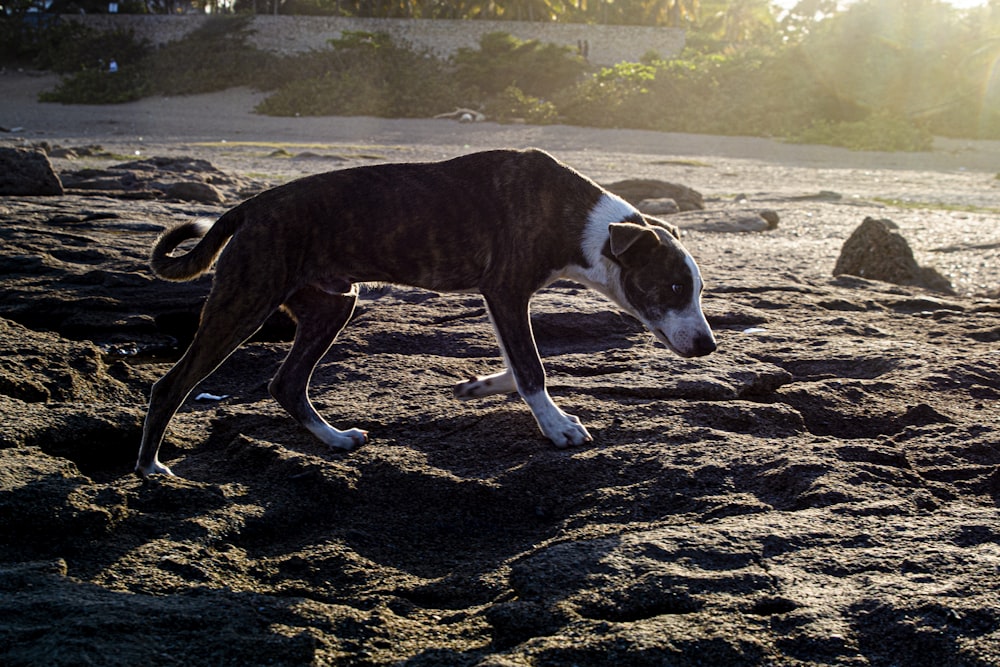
(200, 258)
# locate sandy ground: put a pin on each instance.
(821, 491)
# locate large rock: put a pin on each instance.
(26, 172)
(877, 251)
(635, 190)
(183, 179)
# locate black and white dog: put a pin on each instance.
(504, 223)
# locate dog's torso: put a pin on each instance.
(499, 217)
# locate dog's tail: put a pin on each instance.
(200, 258)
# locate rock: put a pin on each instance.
(635, 190)
(770, 216)
(660, 206)
(195, 191)
(40, 367)
(877, 251)
(185, 179)
(726, 221)
(26, 172)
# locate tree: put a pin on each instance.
(742, 22)
(801, 20)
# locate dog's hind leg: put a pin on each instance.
(226, 322)
(320, 316)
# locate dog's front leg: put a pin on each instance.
(513, 329)
(487, 385)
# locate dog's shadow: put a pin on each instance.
(410, 495)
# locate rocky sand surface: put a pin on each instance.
(823, 490)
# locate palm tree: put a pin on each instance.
(743, 21)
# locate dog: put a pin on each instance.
(503, 223)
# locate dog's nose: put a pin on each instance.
(704, 344)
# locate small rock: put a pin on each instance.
(659, 206)
(195, 191)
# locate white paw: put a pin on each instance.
(156, 468)
(565, 430)
(352, 438)
(337, 439)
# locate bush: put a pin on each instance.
(365, 74)
(862, 79)
(98, 86)
(613, 97)
(71, 47)
(503, 60)
(881, 131)
(513, 104)
(215, 56)
(22, 36)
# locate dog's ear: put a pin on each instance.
(663, 224)
(628, 242)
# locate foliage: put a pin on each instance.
(98, 86)
(616, 96)
(72, 47)
(637, 12)
(215, 56)
(365, 74)
(881, 131)
(502, 61)
(65, 47)
(512, 104)
(917, 59)
(878, 75)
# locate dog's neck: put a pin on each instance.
(601, 273)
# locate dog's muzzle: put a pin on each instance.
(702, 345)
(686, 344)
(687, 338)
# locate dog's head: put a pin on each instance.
(659, 283)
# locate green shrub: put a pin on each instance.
(513, 104)
(98, 86)
(881, 131)
(745, 92)
(822, 88)
(215, 56)
(365, 74)
(613, 97)
(340, 94)
(537, 68)
(71, 47)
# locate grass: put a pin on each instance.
(343, 150)
(680, 163)
(936, 206)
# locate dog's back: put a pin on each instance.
(436, 225)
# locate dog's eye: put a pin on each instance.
(677, 288)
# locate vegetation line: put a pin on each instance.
(872, 75)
